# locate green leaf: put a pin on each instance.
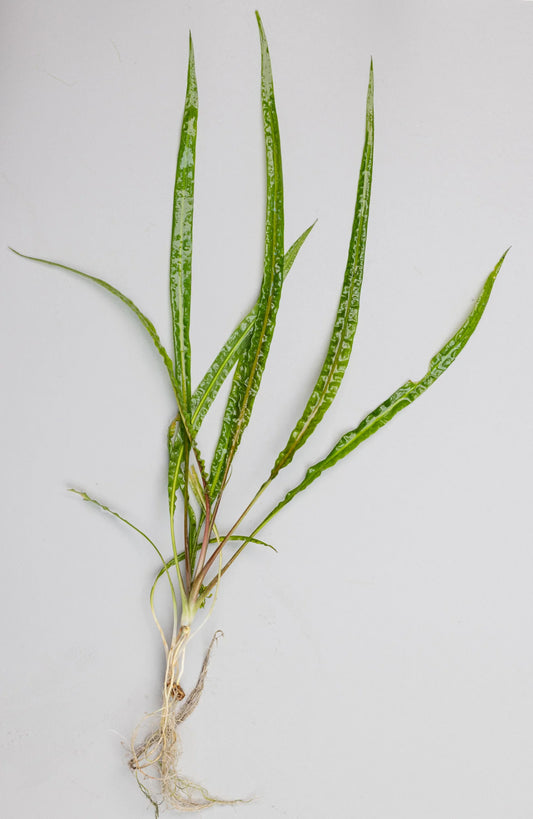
(166, 564)
(105, 508)
(207, 390)
(182, 430)
(180, 287)
(400, 399)
(292, 252)
(176, 473)
(341, 342)
(252, 363)
(181, 239)
(228, 356)
(147, 324)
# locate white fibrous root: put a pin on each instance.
(155, 760)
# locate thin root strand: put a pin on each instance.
(155, 761)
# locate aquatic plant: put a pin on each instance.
(200, 553)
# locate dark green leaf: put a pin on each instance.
(252, 363)
(400, 399)
(181, 240)
(226, 359)
(341, 342)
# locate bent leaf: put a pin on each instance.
(250, 369)
(341, 342)
(400, 399)
(105, 508)
(147, 324)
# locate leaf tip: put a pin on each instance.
(261, 27)
(501, 261)
(79, 492)
(371, 82)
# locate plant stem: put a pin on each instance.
(186, 518)
(201, 575)
(207, 533)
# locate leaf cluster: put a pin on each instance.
(198, 489)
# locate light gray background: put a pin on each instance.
(380, 666)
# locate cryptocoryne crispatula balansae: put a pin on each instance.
(204, 554)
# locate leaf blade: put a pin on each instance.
(88, 499)
(228, 355)
(149, 327)
(181, 236)
(346, 320)
(400, 399)
(145, 321)
(250, 369)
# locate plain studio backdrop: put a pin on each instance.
(380, 666)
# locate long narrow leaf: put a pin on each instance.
(147, 324)
(180, 302)
(181, 239)
(207, 390)
(400, 399)
(341, 342)
(226, 359)
(180, 283)
(105, 508)
(149, 327)
(251, 366)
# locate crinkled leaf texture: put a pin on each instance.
(400, 399)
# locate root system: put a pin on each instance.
(155, 761)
